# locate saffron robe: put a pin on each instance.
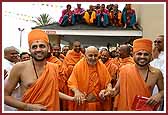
(121, 63)
(45, 89)
(131, 84)
(89, 80)
(54, 59)
(112, 69)
(124, 61)
(70, 60)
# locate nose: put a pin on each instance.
(94, 57)
(142, 56)
(38, 49)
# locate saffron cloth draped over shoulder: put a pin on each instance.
(70, 60)
(45, 90)
(89, 80)
(131, 84)
(54, 59)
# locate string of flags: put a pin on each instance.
(26, 17)
(50, 5)
(19, 16)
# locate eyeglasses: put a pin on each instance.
(157, 41)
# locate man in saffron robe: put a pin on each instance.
(72, 57)
(38, 79)
(139, 78)
(112, 69)
(56, 50)
(65, 49)
(125, 58)
(51, 58)
(89, 79)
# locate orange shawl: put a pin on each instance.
(127, 60)
(112, 68)
(70, 60)
(54, 59)
(45, 90)
(131, 84)
(115, 61)
(80, 79)
(72, 57)
(62, 56)
(121, 63)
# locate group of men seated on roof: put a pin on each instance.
(99, 15)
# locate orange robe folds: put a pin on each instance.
(115, 61)
(54, 59)
(45, 90)
(62, 56)
(131, 84)
(112, 69)
(124, 61)
(89, 80)
(71, 59)
(121, 63)
(69, 62)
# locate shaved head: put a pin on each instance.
(124, 51)
(91, 48)
(91, 55)
(76, 46)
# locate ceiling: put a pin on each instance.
(98, 41)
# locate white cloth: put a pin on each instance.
(7, 65)
(160, 64)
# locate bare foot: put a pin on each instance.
(125, 26)
(134, 28)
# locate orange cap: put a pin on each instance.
(142, 44)
(37, 34)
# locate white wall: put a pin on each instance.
(151, 18)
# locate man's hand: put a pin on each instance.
(91, 97)
(102, 94)
(154, 99)
(79, 97)
(35, 107)
(113, 92)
